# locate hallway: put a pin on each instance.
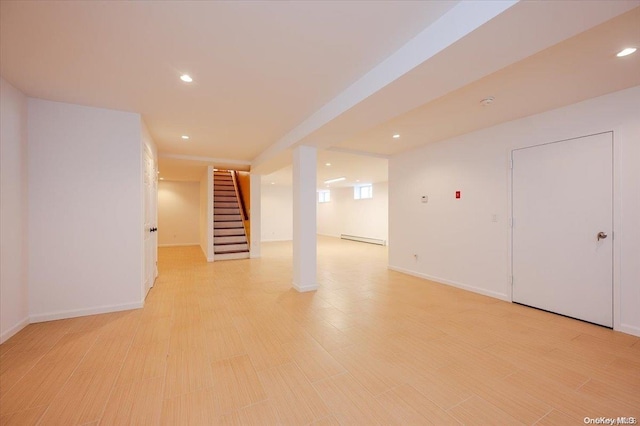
(231, 343)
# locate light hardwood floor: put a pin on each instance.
(232, 343)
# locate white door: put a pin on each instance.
(562, 201)
(150, 227)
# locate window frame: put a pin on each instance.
(322, 192)
(358, 191)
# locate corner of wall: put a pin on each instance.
(206, 214)
(6, 335)
(14, 286)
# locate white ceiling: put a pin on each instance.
(259, 67)
(579, 68)
(337, 75)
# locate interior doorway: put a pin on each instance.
(562, 210)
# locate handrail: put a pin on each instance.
(239, 193)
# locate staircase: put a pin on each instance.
(229, 235)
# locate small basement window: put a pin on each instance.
(324, 196)
(360, 192)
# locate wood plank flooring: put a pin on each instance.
(231, 343)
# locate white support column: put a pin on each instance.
(210, 253)
(255, 215)
(304, 219)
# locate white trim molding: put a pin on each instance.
(84, 312)
(478, 290)
(629, 329)
(303, 289)
(14, 330)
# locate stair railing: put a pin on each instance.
(236, 184)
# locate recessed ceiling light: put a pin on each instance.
(186, 78)
(625, 52)
(327, 164)
(185, 137)
(396, 136)
(335, 180)
(161, 178)
(273, 183)
(487, 101)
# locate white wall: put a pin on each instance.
(363, 218)
(206, 214)
(85, 210)
(14, 308)
(255, 226)
(276, 222)
(456, 240)
(342, 215)
(178, 213)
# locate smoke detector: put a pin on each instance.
(487, 101)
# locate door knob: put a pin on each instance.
(601, 235)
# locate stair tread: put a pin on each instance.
(228, 225)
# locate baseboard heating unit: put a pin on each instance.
(364, 239)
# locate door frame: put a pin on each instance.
(147, 150)
(616, 205)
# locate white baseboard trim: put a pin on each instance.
(206, 255)
(84, 312)
(179, 245)
(305, 288)
(629, 329)
(467, 287)
(14, 330)
(276, 240)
